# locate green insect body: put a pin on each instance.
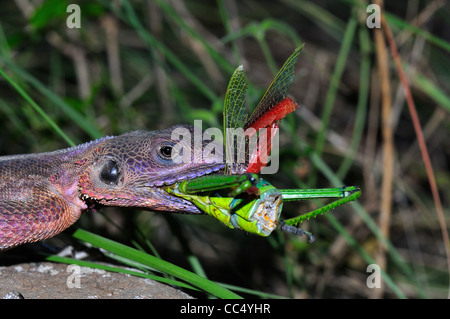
(252, 205)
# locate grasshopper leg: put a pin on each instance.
(296, 231)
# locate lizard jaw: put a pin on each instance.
(179, 178)
(149, 195)
(175, 203)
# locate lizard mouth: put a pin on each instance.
(151, 195)
(169, 180)
(174, 203)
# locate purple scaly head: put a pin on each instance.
(130, 169)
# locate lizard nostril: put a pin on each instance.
(109, 173)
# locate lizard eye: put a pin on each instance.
(166, 152)
(109, 173)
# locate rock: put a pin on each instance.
(46, 280)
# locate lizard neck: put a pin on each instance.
(57, 170)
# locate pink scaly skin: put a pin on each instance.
(43, 194)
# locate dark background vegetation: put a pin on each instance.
(150, 64)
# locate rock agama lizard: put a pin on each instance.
(43, 194)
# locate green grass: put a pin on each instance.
(175, 63)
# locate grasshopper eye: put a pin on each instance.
(109, 173)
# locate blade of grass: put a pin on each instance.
(83, 263)
(416, 30)
(333, 89)
(325, 20)
(81, 121)
(371, 224)
(258, 30)
(129, 16)
(369, 260)
(402, 24)
(384, 218)
(231, 22)
(160, 265)
(177, 231)
(179, 20)
(16, 121)
(420, 140)
(361, 108)
(37, 108)
(260, 294)
(434, 92)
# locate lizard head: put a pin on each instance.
(131, 169)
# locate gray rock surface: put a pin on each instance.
(46, 280)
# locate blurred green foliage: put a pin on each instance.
(150, 64)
